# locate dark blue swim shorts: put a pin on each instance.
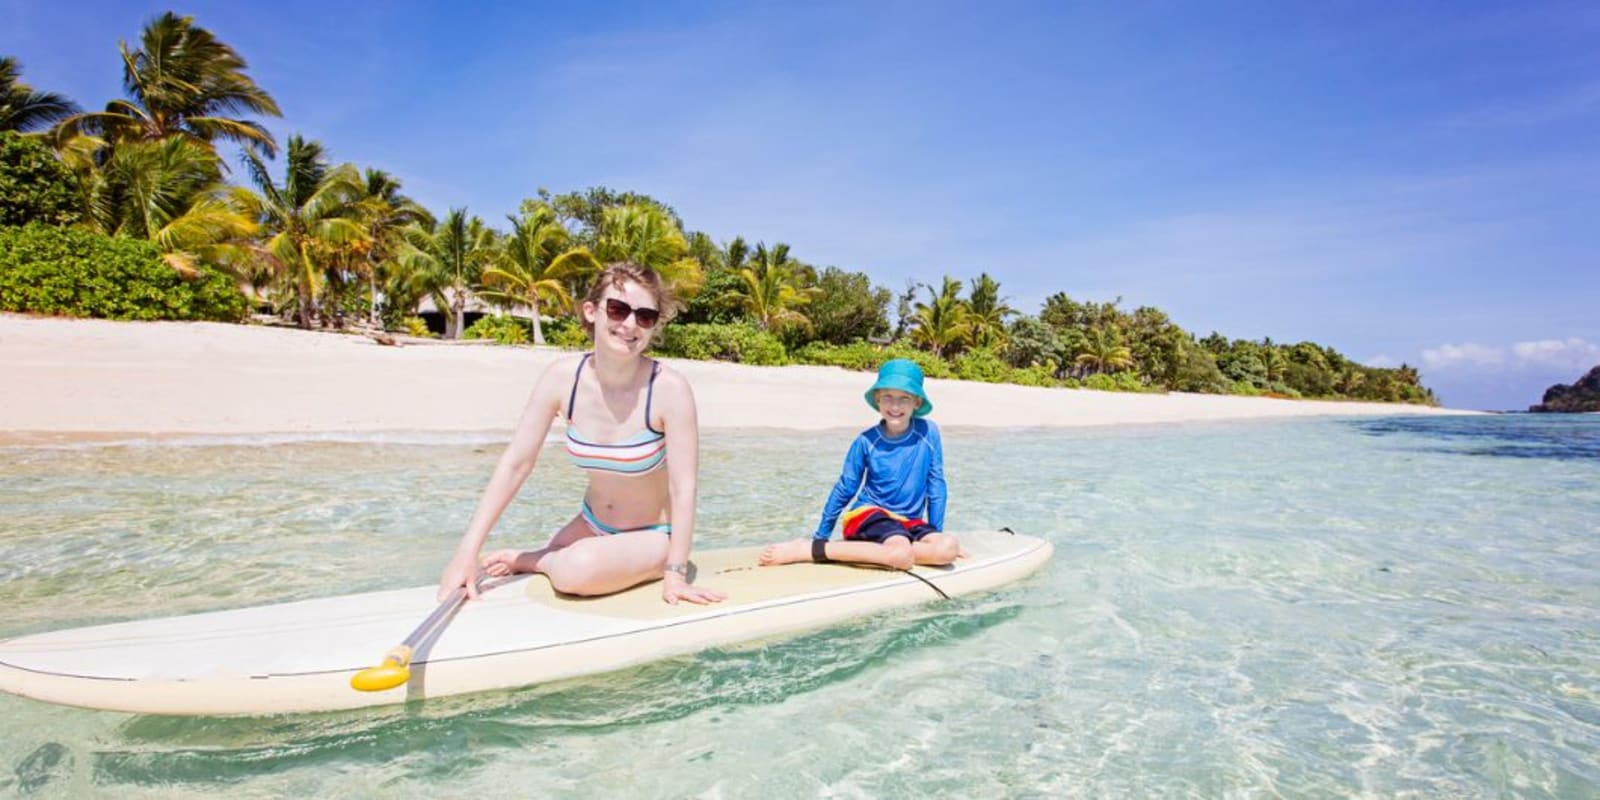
(873, 524)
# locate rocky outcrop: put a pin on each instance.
(1579, 397)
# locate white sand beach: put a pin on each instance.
(92, 378)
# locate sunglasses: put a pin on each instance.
(617, 311)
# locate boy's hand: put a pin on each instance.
(675, 588)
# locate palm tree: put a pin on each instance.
(989, 312)
(169, 192)
(941, 322)
(173, 194)
(144, 186)
(314, 211)
(446, 260)
(769, 290)
(736, 254)
(385, 212)
(1350, 381)
(525, 274)
(644, 234)
(1103, 351)
(704, 249)
(181, 81)
(23, 109)
(1274, 360)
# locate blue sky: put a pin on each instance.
(1406, 182)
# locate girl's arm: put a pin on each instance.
(681, 424)
(515, 463)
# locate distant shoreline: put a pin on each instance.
(89, 380)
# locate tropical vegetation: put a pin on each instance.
(71, 272)
(132, 212)
(22, 108)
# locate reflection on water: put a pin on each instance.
(1320, 608)
(225, 751)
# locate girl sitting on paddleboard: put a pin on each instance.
(631, 425)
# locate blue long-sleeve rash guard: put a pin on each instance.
(904, 475)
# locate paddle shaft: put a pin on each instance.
(395, 668)
(439, 613)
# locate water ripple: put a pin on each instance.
(1306, 608)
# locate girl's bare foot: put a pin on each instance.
(501, 563)
(789, 552)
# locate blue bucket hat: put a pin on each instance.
(901, 375)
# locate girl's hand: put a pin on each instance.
(675, 588)
(461, 571)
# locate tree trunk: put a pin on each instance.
(303, 288)
(333, 298)
(372, 295)
(538, 329)
(302, 295)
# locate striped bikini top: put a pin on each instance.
(638, 454)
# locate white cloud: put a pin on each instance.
(1572, 353)
(1382, 361)
(1446, 356)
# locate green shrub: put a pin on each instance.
(1197, 372)
(856, 355)
(505, 330)
(1100, 382)
(859, 355)
(1244, 388)
(983, 365)
(553, 326)
(740, 342)
(73, 273)
(418, 327)
(1037, 375)
(345, 302)
(1281, 389)
(1127, 381)
(564, 332)
(34, 185)
(572, 338)
(932, 365)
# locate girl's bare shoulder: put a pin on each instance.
(557, 376)
(567, 361)
(671, 380)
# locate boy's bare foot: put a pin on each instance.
(790, 552)
(501, 563)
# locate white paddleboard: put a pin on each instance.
(298, 657)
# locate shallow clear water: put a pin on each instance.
(1313, 608)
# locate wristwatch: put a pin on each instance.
(680, 567)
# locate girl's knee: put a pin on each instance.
(572, 570)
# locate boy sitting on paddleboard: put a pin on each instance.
(895, 474)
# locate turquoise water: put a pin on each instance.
(1306, 609)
